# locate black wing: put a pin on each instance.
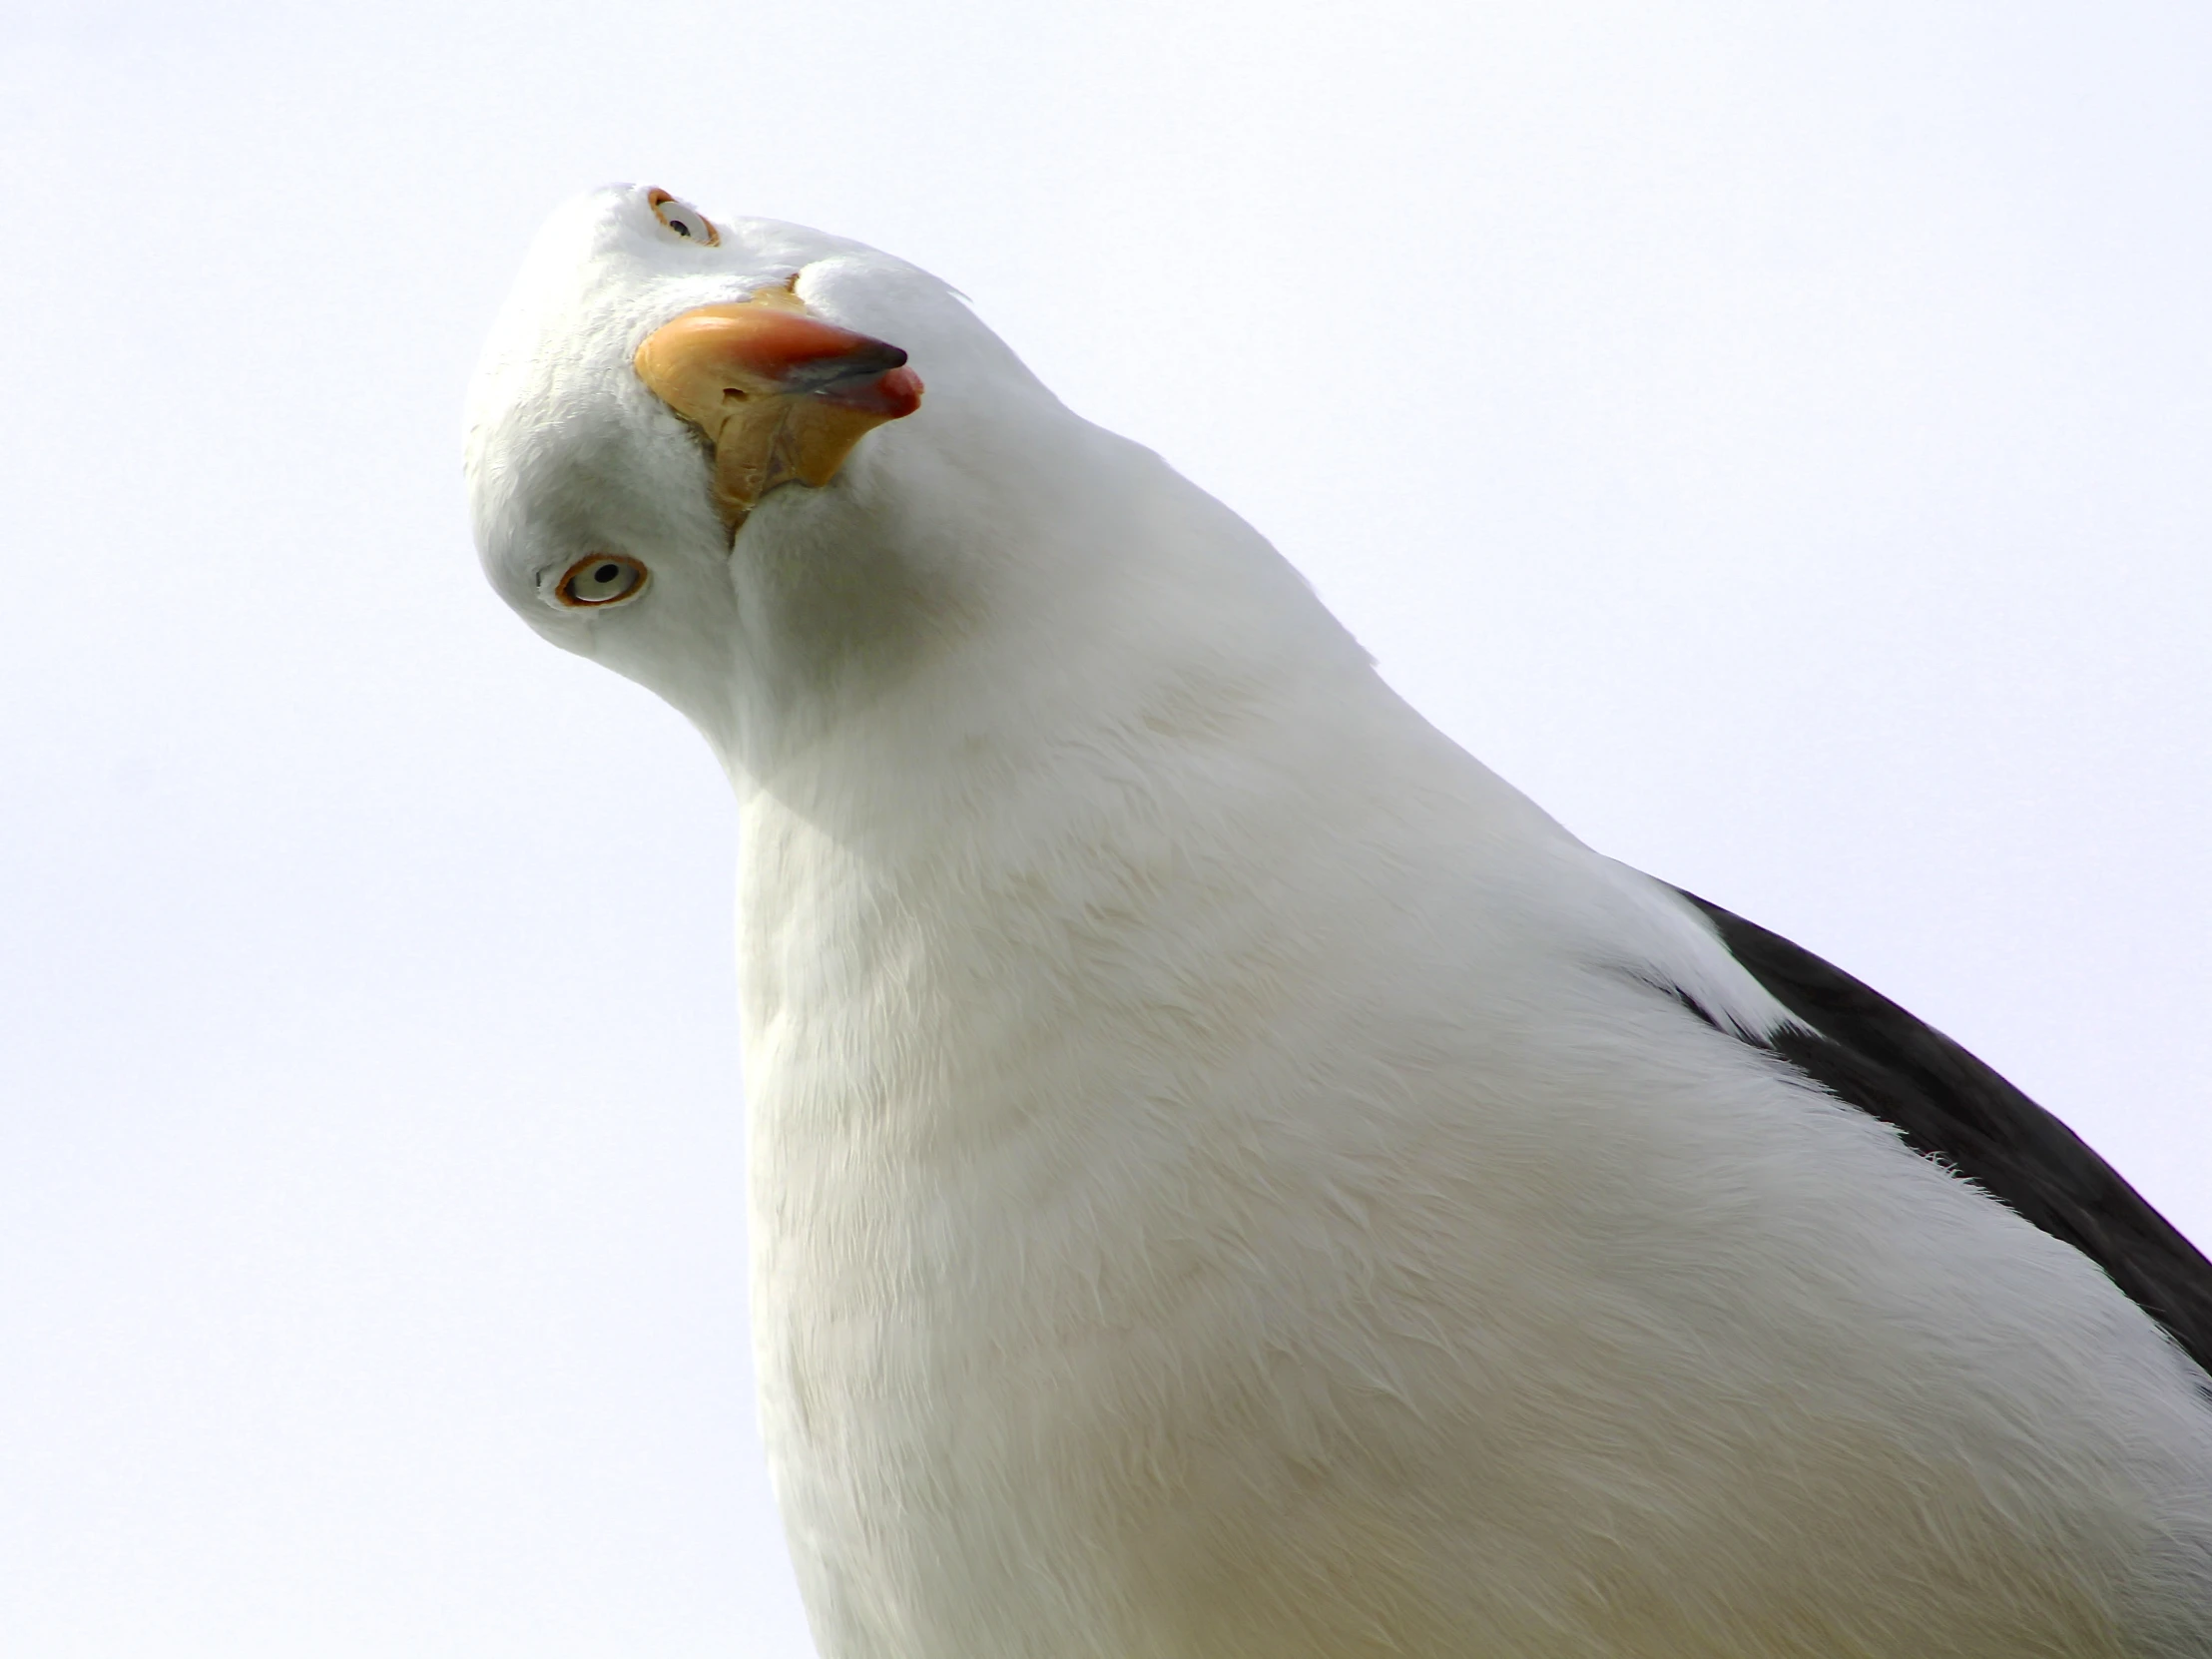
(1950, 1107)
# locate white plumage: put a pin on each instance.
(1230, 1178)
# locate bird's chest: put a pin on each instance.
(1111, 1304)
(956, 1420)
(1019, 1296)
(1057, 1296)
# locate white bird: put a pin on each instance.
(1230, 1177)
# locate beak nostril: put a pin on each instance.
(733, 394)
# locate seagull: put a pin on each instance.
(1230, 1178)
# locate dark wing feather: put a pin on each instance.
(1950, 1107)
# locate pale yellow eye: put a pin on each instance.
(682, 219)
(602, 579)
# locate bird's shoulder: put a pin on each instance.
(1951, 1107)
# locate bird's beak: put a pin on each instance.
(781, 394)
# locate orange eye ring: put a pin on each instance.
(601, 579)
(682, 219)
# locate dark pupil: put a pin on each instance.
(606, 573)
(679, 227)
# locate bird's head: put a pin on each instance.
(795, 486)
(693, 440)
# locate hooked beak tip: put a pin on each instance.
(893, 395)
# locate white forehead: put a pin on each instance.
(611, 241)
(605, 270)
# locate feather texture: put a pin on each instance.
(1224, 1181)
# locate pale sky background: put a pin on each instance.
(1774, 436)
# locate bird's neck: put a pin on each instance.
(924, 642)
(1121, 715)
(1147, 764)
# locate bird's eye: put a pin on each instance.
(684, 219)
(602, 579)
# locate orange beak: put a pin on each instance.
(781, 395)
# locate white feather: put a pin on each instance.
(1223, 1182)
